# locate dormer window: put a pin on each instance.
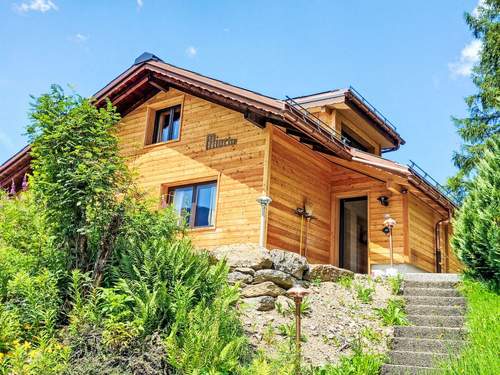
(356, 141)
(167, 125)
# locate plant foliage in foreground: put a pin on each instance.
(480, 354)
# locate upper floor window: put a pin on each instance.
(167, 124)
(195, 203)
(356, 141)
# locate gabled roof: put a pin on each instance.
(149, 75)
(354, 100)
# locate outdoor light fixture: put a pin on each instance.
(389, 224)
(384, 200)
(298, 293)
(264, 201)
(305, 212)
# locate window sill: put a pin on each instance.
(153, 145)
(202, 229)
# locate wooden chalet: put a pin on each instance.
(212, 149)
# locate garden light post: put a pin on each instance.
(264, 201)
(389, 224)
(298, 293)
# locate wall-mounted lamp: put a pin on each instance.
(305, 212)
(264, 201)
(384, 200)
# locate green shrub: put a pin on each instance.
(10, 329)
(208, 338)
(47, 357)
(36, 302)
(25, 240)
(476, 238)
(359, 363)
(393, 314)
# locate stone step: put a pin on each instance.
(406, 370)
(435, 301)
(431, 292)
(421, 359)
(444, 333)
(436, 320)
(434, 310)
(430, 284)
(426, 345)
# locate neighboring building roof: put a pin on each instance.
(149, 75)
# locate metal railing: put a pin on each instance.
(415, 168)
(372, 108)
(320, 126)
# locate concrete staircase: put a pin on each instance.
(436, 314)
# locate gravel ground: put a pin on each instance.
(337, 319)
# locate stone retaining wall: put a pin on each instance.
(264, 274)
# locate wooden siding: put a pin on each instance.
(298, 173)
(239, 169)
(422, 237)
(347, 183)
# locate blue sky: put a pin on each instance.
(411, 59)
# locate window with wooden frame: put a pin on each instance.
(167, 125)
(194, 203)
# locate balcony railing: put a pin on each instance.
(320, 126)
(372, 108)
(415, 168)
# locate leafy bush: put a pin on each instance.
(359, 363)
(393, 314)
(48, 357)
(208, 338)
(25, 240)
(476, 239)
(36, 302)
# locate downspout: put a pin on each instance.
(437, 237)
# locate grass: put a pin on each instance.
(481, 354)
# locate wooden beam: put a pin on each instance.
(394, 187)
(129, 91)
(159, 85)
(256, 119)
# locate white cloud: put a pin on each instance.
(81, 38)
(191, 51)
(140, 3)
(78, 38)
(480, 4)
(468, 58)
(36, 6)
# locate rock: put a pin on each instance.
(238, 277)
(247, 271)
(279, 278)
(243, 256)
(267, 288)
(326, 272)
(262, 303)
(289, 262)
